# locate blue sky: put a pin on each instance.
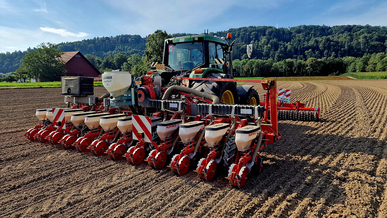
(28, 23)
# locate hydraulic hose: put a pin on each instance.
(167, 94)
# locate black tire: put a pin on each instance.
(216, 88)
(229, 153)
(252, 93)
(230, 86)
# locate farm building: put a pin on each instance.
(78, 65)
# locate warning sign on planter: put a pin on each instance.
(284, 95)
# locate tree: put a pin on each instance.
(138, 70)
(45, 63)
(132, 60)
(382, 65)
(155, 46)
(119, 60)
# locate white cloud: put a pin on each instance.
(63, 32)
(12, 39)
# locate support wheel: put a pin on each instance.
(210, 170)
(56, 137)
(83, 145)
(159, 160)
(69, 142)
(117, 152)
(136, 155)
(242, 177)
(100, 148)
(183, 165)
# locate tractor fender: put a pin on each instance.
(243, 90)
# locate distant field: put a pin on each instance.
(6, 85)
(368, 75)
(300, 78)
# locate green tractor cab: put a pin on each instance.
(204, 56)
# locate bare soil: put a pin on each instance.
(333, 168)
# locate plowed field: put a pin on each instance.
(336, 167)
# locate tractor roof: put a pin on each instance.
(194, 38)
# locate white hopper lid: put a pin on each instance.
(83, 113)
(191, 124)
(169, 122)
(247, 129)
(125, 118)
(111, 116)
(217, 126)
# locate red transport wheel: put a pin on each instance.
(54, 139)
(63, 139)
(110, 150)
(100, 148)
(77, 142)
(118, 152)
(242, 176)
(49, 137)
(183, 165)
(27, 134)
(93, 144)
(138, 155)
(83, 145)
(151, 157)
(160, 159)
(42, 135)
(174, 160)
(32, 134)
(210, 170)
(129, 153)
(69, 142)
(201, 161)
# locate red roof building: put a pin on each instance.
(78, 65)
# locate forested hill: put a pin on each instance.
(301, 43)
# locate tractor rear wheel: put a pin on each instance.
(226, 91)
(252, 98)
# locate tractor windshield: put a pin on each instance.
(185, 56)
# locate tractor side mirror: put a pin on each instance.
(249, 50)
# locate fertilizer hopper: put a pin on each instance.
(92, 121)
(78, 119)
(118, 149)
(69, 112)
(188, 131)
(244, 136)
(125, 124)
(109, 122)
(214, 133)
(167, 128)
(191, 135)
(49, 115)
(41, 114)
(117, 82)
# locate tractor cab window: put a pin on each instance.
(216, 55)
(185, 56)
